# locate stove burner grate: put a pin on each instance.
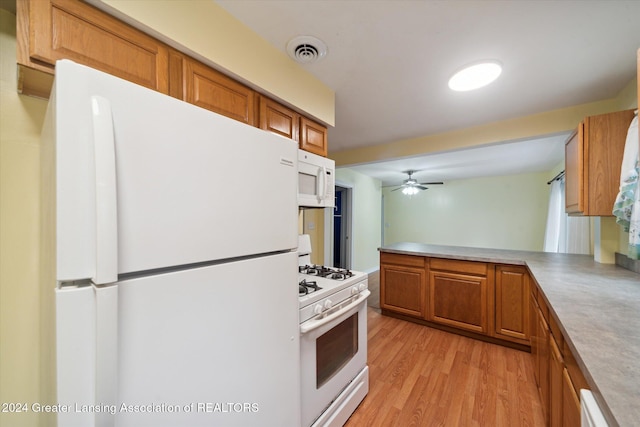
(305, 287)
(328, 272)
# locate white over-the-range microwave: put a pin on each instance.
(316, 181)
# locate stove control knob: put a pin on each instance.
(328, 304)
(362, 287)
(317, 309)
(354, 290)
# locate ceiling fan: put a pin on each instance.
(411, 186)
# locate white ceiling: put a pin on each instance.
(389, 63)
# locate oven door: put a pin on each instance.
(333, 350)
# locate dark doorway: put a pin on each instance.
(342, 228)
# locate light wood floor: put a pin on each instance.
(419, 376)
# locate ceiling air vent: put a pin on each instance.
(306, 49)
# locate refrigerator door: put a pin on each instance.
(211, 346)
(180, 184)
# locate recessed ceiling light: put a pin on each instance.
(475, 76)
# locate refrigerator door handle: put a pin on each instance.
(106, 353)
(106, 193)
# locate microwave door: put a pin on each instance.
(308, 184)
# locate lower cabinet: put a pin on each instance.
(556, 368)
(542, 362)
(570, 402)
(403, 284)
(556, 371)
(457, 296)
(512, 303)
(481, 298)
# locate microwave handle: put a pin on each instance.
(321, 183)
(325, 183)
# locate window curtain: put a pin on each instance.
(564, 233)
(555, 217)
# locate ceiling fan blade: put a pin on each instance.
(396, 189)
(431, 183)
(421, 187)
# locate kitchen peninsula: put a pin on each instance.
(592, 311)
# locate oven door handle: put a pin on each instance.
(310, 325)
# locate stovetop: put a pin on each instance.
(320, 282)
(328, 272)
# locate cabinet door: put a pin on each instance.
(214, 91)
(458, 300)
(570, 402)
(543, 362)
(402, 290)
(556, 368)
(592, 163)
(68, 29)
(605, 137)
(574, 178)
(512, 303)
(533, 321)
(313, 137)
(279, 119)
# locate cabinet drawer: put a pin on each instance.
(467, 267)
(398, 259)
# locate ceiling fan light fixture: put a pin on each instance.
(475, 76)
(410, 191)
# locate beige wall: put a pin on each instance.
(313, 225)
(212, 35)
(506, 212)
(526, 127)
(20, 122)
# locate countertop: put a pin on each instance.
(598, 307)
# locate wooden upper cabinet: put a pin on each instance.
(279, 119)
(512, 303)
(313, 137)
(210, 89)
(50, 30)
(70, 29)
(593, 156)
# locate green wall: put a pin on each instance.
(366, 218)
(506, 212)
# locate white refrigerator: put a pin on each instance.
(173, 233)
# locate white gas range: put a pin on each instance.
(322, 288)
(333, 340)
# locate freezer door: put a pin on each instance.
(179, 184)
(212, 346)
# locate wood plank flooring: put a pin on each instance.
(419, 376)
